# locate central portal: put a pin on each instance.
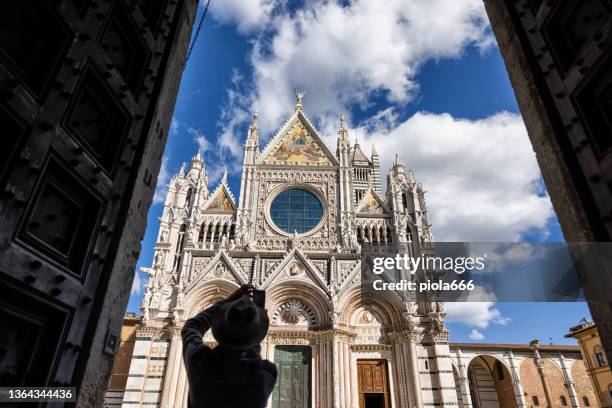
(292, 388)
(373, 384)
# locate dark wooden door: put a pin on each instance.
(293, 382)
(373, 384)
(84, 114)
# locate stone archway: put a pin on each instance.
(584, 387)
(490, 383)
(299, 318)
(175, 386)
(545, 386)
(373, 351)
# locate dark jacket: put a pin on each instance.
(221, 377)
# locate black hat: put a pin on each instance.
(240, 324)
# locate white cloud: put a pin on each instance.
(175, 124)
(161, 189)
(246, 14)
(344, 54)
(481, 177)
(199, 138)
(476, 335)
(479, 314)
(136, 284)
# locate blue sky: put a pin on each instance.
(421, 79)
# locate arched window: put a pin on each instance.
(188, 199)
(563, 401)
(216, 233)
(586, 402)
(535, 400)
(201, 234)
(232, 232)
(600, 357)
(404, 201)
(409, 236)
(180, 243)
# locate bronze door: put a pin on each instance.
(292, 388)
(373, 384)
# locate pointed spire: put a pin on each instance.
(224, 179)
(374, 152)
(253, 134)
(182, 171)
(343, 132)
(198, 156)
(411, 176)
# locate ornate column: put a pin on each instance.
(205, 226)
(342, 371)
(569, 383)
(171, 378)
(464, 382)
(535, 346)
(516, 381)
(444, 368)
(147, 368)
(338, 383)
(414, 369)
(347, 374)
(403, 396)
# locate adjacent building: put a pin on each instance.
(597, 365)
(123, 358)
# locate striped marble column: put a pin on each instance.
(144, 384)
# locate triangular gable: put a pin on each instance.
(221, 200)
(352, 278)
(358, 156)
(372, 203)
(219, 267)
(297, 143)
(297, 266)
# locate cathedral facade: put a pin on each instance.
(304, 212)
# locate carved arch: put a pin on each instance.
(205, 295)
(386, 308)
(313, 298)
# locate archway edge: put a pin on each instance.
(353, 300)
(309, 293)
(199, 297)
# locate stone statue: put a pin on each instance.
(299, 95)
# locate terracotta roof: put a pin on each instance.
(490, 346)
(580, 328)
